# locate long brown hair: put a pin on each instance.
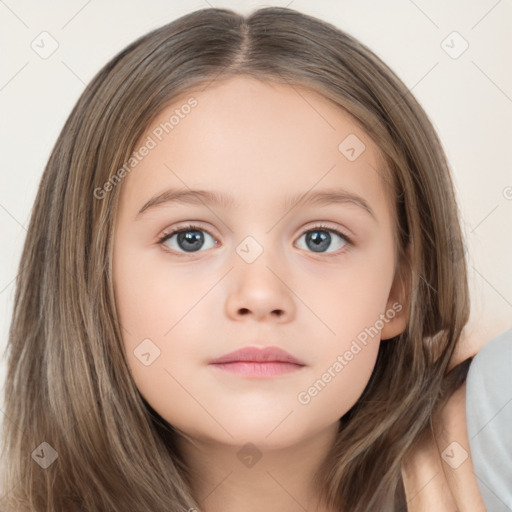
(68, 383)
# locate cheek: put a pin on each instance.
(149, 305)
(161, 311)
(349, 301)
(352, 305)
(142, 312)
(342, 375)
(346, 360)
(151, 295)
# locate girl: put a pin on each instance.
(242, 283)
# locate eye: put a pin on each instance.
(189, 239)
(319, 238)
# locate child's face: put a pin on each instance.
(254, 278)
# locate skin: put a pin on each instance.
(260, 142)
(430, 482)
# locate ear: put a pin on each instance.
(398, 305)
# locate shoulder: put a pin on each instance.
(489, 389)
(492, 362)
(489, 420)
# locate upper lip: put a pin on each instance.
(259, 355)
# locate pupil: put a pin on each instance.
(319, 242)
(194, 241)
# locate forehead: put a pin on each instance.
(259, 140)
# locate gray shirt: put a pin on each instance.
(489, 421)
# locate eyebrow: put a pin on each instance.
(210, 197)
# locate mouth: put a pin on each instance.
(252, 369)
(257, 362)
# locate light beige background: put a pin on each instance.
(467, 96)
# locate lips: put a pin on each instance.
(258, 355)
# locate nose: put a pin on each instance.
(260, 293)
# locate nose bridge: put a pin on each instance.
(262, 252)
(253, 248)
(260, 238)
(259, 229)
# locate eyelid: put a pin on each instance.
(318, 225)
(182, 227)
(346, 233)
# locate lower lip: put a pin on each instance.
(253, 369)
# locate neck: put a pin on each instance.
(244, 477)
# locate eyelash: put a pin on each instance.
(319, 227)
